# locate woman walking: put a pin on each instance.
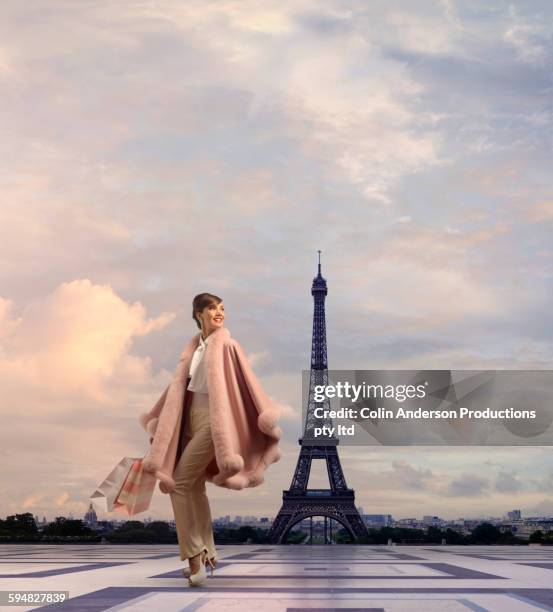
(214, 423)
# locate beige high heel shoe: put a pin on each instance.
(212, 561)
(200, 576)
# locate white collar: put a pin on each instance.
(203, 343)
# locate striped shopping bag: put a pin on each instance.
(136, 492)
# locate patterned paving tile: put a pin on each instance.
(82, 567)
(542, 565)
(136, 578)
(173, 600)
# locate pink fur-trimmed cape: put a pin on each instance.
(243, 418)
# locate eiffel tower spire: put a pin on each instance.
(319, 363)
(299, 502)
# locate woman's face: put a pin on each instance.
(212, 317)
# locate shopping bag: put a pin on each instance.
(105, 495)
(137, 490)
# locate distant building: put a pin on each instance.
(40, 523)
(433, 521)
(408, 522)
(90, 518)
(524, 528)
(377, 520)
(514, 515)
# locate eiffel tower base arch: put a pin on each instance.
(296, 507)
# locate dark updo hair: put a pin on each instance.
(201, 301)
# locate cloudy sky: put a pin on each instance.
(152, 150)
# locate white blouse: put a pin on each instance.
(198, 382)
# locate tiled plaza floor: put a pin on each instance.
(286, 578)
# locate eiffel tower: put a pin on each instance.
(299, 502)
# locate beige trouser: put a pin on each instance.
(189, 499)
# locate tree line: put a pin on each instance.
(23, 528)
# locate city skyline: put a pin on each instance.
(508, 515)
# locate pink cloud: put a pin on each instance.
(74, 341)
